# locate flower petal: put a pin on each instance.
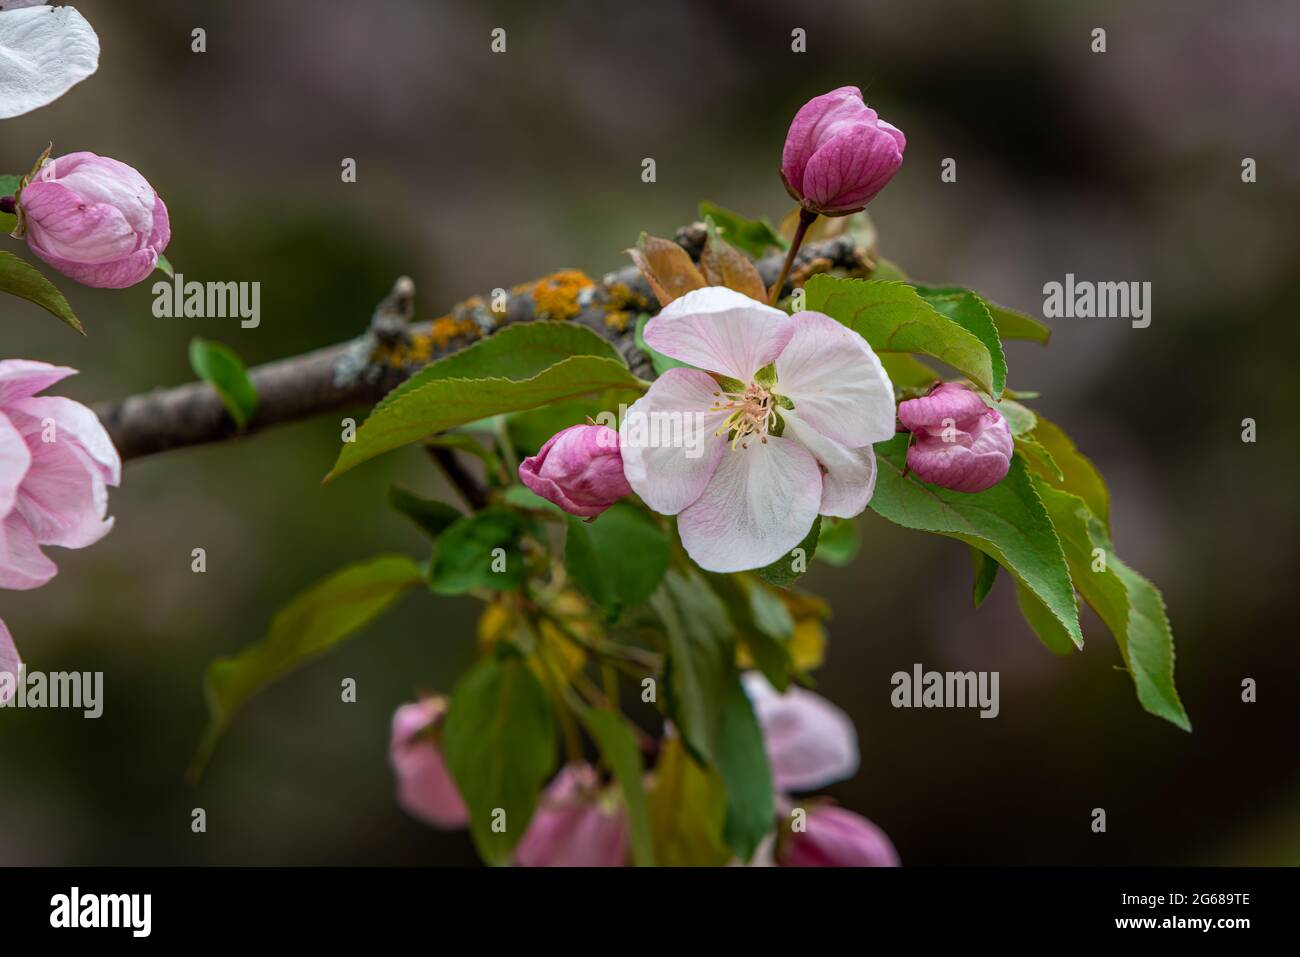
(720, 330)
(815, 122)
(15, 460)
(10, 663)
(836, 382)
(852, 166)
(760, 503)
(23, 565)
(948, 401)
(848, 475)
(64, 499)
(810, 742)
(669, 449)
(72, 419)
(20, 378)
(425, 789)
(44, 52)
(62, 225)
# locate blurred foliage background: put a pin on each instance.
(479, 170)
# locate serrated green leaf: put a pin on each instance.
(1011, 324)
(618, 747)
(221, 368)
(700, 655)
(1020, 418)
(467, 555)
(1037, 455)
(971, 313)
(499, 743)
(1007, 522)
(1079, 475)
(438, 404)
(688, 808)
(1130, 606)
(893, 317)
(754, 236)
(908, 372)
(746, 775)
(788, 569)
(311, 624)
(20, 278)
(618, 559)
(986, 573)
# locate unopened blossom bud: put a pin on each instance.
(839, 154)
(958, 441)
(95, 219)
(579, 469)
(835, 837)
(425, 789)
(576, 825)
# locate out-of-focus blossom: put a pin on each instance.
(424, 785)
(577, 824)
(836, 838)
(810, 742)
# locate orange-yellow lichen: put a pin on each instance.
(556, 296)
(621, 304)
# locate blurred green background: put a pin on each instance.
(479, 170)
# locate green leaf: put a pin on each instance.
(700, 655)
(8, 186)
(1130, 606)
(688, 808)
(521, 496)
(499, 743)
(618, 559)
(892, 317)
(530, 430)
(1010, 323)
(908, 372)
(1044, 624)
(839, 541)
(1020, 418)
(971, 313)
(742, 762)
(20, 278)
(513, 370)
(219, 367)
(787, 569)
(661, 362)
(311, 624)
(888, 271)
(433, 516)
(754, 236)
(165, 267)
(1080, 476)
(762, 621)
(618, 747)
(1007, 522)
(1037, 455)
(986, 573)
(467, 556)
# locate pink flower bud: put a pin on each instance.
(837, 838)
(96, 220)
(958, 441)
(575, 825)
(425, 789)
(579, 469)
(839, 154)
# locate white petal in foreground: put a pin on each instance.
(849, 477)
(758, 506)
(44, 52)
(837, 383)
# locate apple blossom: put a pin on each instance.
(579, 469)
(425, 789)
(575, 825)
(782, 412)
(836, 838)
(839, 154)
(95, 220)
(958, 441)
(809, 741)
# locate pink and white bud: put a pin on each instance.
(837, 838)
(95, 220)
(839, 154)
(579, 469)
(425, 789)
(577, 824)
(958, 441)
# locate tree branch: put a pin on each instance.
(360, 372)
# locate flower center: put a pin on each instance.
(753, 413)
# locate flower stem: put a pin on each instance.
(806, 219)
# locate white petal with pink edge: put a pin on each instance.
(849, 475)
(759, 505)
(720, 330)
(836, 382)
